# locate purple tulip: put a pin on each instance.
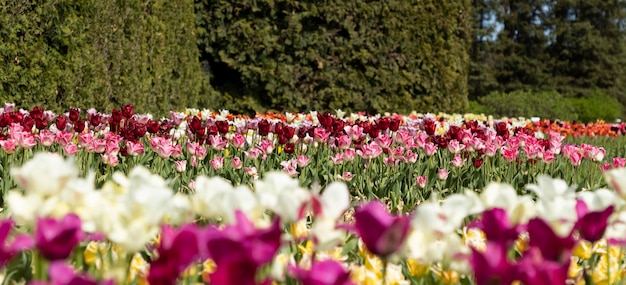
(20, 242)
(534, 269)
(328, 272)
(382, 233)
(497, 227)
(55, 239)
(492, 266)
(177, 250)
(551, 246)
(591, 225)
(62, 274)
(240, 250)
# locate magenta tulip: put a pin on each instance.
(9, 250)
(591, 225)
(551, 246)
(55, 239)
(328, 272)
(177, 250)
(497, 227)
(240, 250)
(62, 274)
(382, 233)
(492, 266)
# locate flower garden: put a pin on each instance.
(208, 197)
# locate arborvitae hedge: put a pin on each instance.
(95, 53)
(358, 55)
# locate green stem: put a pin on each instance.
(40, 265)
(385, 262)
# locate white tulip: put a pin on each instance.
(45, 174)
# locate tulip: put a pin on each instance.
(382, 233)
(592, 225)
(492, 266)
(19, 243)
(442, 174)
(176, 251)
(497, 227)
(240, 250)
(421, 181)
(551, 246)
(328, 272)
(55, 239)
(62, 274)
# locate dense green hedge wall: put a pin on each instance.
(358, 55)
(95, 53)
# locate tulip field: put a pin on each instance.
(208, 197)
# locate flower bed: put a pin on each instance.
(308, 199)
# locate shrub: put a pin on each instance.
(597, 106)
(93, 53)
(548, 105)
(358, 55)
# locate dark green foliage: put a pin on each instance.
(589, 50)
(573, 47)
(375, 56)
(102, 54)
(547, 105)
(597, 105)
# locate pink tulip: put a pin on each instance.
(384, 141)
(457, 161)
(70, 149)
(343, 142)
(85, 139)
(180, 165)
(237, 163)
(548, 156)
(302, 161)
(347, 176)
(442, 174)
(491, 149)
(63, 138)
(509, 154)
(420, 140)
(403, 137)
(8, 145)
(369, 151)
(45, 138)
(290, 167)
(320, 134)
(134, 149)
(337, 158)
(575, 158)
(349, 154)
(619, 162)
(238, 140)
(455, 147)
(421, 181)
(110, 159)
(177, 151)
(26, 140)
(355, 131)
(217, 163)
(217, 142)
(429, 149)
(266, 146)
